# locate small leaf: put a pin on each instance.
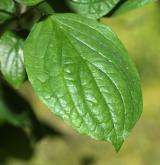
(92, 8)
(7, 115)
(11, 59)
(29, 2)
(6, 7)
(131, 4)
(46, 8)
(82, 72)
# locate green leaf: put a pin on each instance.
(131, 4)
(46, 8)
(82, 72)
(6, 7)
(6, 114)
(11, 59)
(92, 8)
(29, 2)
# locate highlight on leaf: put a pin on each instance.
(11, 59)
(92, 8)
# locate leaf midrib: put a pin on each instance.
(133, 111)
(94, 81)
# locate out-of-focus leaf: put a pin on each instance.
(29, 2)
(15, 110)
(45, 8)
(92, 8)
(11, 59)
(82, 72)
(7, 115)
(132, 4)
(6, 7)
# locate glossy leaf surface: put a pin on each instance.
(11, 59)
(92, 8)
(82, 72)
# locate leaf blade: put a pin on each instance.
(85, 77)
(131, 4)
(6, 6)
(29, 2)
(92, 8)
(11, 59)
(7, 114)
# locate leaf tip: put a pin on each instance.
(118, 144)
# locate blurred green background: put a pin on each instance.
(139, 30)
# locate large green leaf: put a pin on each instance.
(11, 59)
(82, 72)
(92, 8)
(6, 7)
(29, 2)
(132, 4)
